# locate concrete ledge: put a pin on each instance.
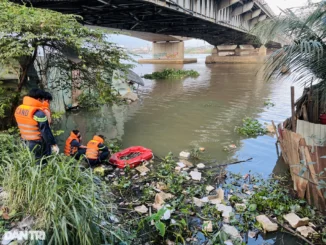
(170, 61)
(211, 59)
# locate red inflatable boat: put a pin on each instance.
(132, 157)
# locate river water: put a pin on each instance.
(172, 116)
(177, 115)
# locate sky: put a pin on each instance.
(276, 5)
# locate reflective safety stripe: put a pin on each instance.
(26, 126)
(28, 131)
(30, 137)
(101, 148)
(40, 119)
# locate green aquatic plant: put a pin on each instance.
(171, 74)
(269, 103)
(251, 127)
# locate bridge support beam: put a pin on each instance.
(168, 52)
(242, 9)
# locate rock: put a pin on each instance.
(160, 199)
(141, 209)
(168, 242)
(311, 225)
(4, 195)
(181, 164)
(167, 213)
(198, 202)
(214, 199)
(252, 234)
(130, 96)
(240, 207)
(246, 176)
(208, 226)
(187, 163)
(306, 231)
(245, 187)
(226, 211)
(270, 129)
(220, 194)
(195, 175)
(232, 146)
(142, 169)
(232, 232)
(205, 200)
(228, 242)
(267, 225)
(209, 188)
(184, 154)
(248, 192)
(201, 149)
(161, 186)
(177, 169)
(27, 222)
(295, 221)
(200, 166)
(114, 219)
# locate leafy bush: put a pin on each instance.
(251, 127)
(63, 200)
(171, 73)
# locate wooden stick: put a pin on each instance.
(291, 231)
(226, 164)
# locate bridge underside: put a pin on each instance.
(144, 16)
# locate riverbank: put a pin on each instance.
(165, 201)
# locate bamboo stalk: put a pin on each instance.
(293, 118)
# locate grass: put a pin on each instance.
(64, 201)
(171, 74)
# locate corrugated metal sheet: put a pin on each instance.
(314, 134)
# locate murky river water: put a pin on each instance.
(178, 115)
(204, 111)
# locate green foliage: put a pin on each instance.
(82, 57)
(171, 74)
(269, 103)
(115, 145)
(304, 31)
(89, 101)
(63, 200)
(251, 127)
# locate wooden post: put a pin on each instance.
(294, 118)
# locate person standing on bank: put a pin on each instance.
(96, 151)
(33, 125)
(73, 145)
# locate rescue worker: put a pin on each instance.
(96, 151)
(34, 127)
(46, 106)
(73, 145)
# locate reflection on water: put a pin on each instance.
(177, 115)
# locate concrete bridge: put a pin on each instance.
(215, 21)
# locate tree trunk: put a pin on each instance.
(25, 65)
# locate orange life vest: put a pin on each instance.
(24, 115)
(92, 147)
(69, 149)
(47, 111)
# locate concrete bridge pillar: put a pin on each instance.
(237, 54)
(168, 52)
